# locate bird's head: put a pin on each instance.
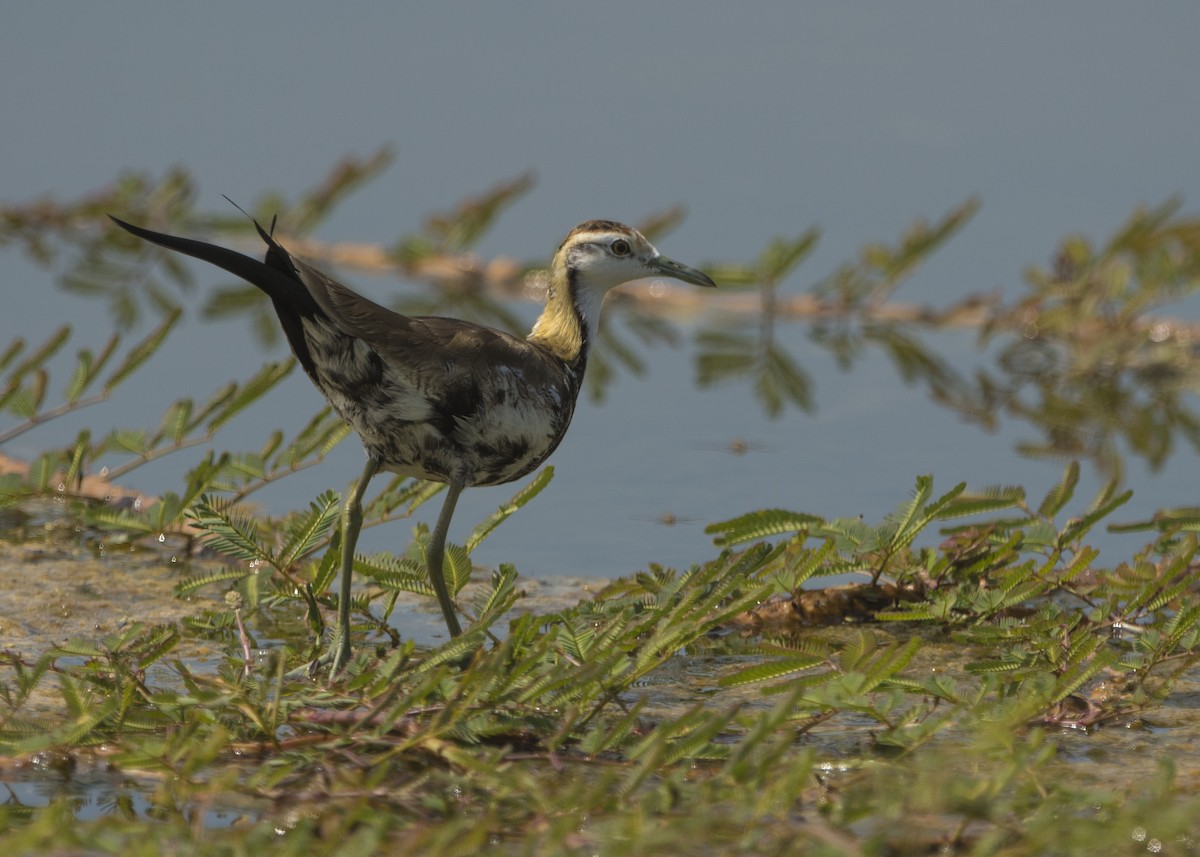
(592, 259)
(600, 254)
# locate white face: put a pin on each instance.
(595, 257)
(603, 260)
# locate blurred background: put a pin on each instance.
(759, 121)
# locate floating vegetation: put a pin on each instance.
(961, 677)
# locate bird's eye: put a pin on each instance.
(620, 247)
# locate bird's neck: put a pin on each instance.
(567, 326)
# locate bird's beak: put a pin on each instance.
(670, 268)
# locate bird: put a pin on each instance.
(440, 398)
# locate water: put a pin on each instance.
(856, 120)
(641, 473)
(768, 124)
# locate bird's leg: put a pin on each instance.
(352, 518)
(435, 554)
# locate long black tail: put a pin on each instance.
(284, 289)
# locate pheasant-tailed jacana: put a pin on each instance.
(441, 398)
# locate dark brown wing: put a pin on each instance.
(300, 291)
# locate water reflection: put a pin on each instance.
(95, 794)
(1081, 357)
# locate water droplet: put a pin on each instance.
(162, 537)
(535, 285)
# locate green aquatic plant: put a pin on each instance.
(963, 675)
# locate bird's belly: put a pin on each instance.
(481, 428)
(491, 446)
(505, 442)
